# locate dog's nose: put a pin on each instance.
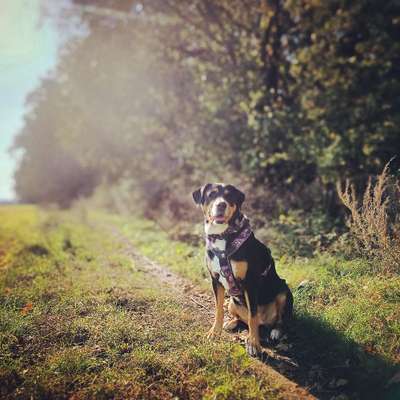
(221, 206)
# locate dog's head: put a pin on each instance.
(219, 203)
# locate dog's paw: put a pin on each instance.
(253, 347)
(275, 334)
(214, 332)
(231, 325)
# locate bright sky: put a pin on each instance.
(28, 50)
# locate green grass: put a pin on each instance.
(79, 320)
(347, 319)
(155, 243)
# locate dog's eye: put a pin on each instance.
(212, 195)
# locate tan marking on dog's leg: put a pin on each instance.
(267, 314)
(280, 303)
(219, 313)
(253, 345)
(231, 325)
(238, 311)
(232, 309)
(239, 269)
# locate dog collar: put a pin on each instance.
(235, 236)
(238, 230)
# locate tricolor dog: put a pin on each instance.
(242, 266)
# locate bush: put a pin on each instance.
(374, 222)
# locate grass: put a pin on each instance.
(156, 244)
(79, 320)
(347, 318)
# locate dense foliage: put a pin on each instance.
(285, 96)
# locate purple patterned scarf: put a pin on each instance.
(235, 235)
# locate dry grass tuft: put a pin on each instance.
(374, 222)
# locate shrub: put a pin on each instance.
(374, 222)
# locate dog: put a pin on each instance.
(242, 266)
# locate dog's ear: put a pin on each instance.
(199, 193)
(241, 198)
(238, 196)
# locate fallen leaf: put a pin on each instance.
(27, 308)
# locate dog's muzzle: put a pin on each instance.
(219, 212)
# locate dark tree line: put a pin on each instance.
(286, 96)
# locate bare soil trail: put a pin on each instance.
(272, 363)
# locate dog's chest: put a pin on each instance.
(219, 245)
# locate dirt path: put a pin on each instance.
(203, 303)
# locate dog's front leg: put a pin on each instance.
(219, 293)
(253, 345)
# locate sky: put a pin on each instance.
(28, 51)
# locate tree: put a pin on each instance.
(289, 94)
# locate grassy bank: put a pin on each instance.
(79, 319)
(347, 320)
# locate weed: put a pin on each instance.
(375, 224)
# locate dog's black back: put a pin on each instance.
(261, 274)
